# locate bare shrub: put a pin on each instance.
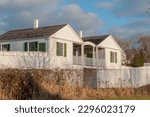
(55, 84)
(23, 84)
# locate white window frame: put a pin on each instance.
(64, 49)
(113, 57)
(2, 44)
(38, 42)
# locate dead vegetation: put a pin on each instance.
(23, 85)
(46, 84)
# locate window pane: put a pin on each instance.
(59, 49)
(111, 57)
(33, 46)
(42, 47)
(6, 47)
(36, 46)
(115, 57)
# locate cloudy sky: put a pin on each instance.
(126, 19)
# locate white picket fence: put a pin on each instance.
(125, 77)
(24, 60)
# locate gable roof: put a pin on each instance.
(95, 39)
(31, 32)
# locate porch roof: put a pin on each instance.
(95, 39)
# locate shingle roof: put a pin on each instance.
(31, 32)
(95, 39)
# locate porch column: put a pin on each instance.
(97, 64)
(106, 58)
(49, 54)
(94, 56)
(77, 54)
(82, 54)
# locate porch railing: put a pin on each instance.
(77, 60)
(89, 61)
(100, 62)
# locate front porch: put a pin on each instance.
(88, 55)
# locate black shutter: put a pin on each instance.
(65, 49)
(8, 47)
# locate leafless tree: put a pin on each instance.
(144, 45)
(126, 46)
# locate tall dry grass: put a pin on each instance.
(47, 84)
(23, 85)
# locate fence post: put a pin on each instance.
(131, 81)
(82, 52)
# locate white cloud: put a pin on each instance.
(2, 23)
(24, 3)
(135, 11)
(3, 2)
(50, 12)
(132, 30)
(125, 7)
(86, 21)
(132, 7)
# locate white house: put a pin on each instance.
(57, 46)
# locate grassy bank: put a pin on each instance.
(130, 98)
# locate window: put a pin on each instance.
(42, 47)
(35, 46)
(61, 49)
(6, 47)
(113, 57)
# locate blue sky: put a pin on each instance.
(127, 19)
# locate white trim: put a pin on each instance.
(107, 47)
(31, 41)
(64, 40)
(5, 43)
(114, 41)
(74, 32)
(71, 30)
(89, 43)
(22, 39)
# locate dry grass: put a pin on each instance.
(74, 92)
(47, 84)
(23, 85)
